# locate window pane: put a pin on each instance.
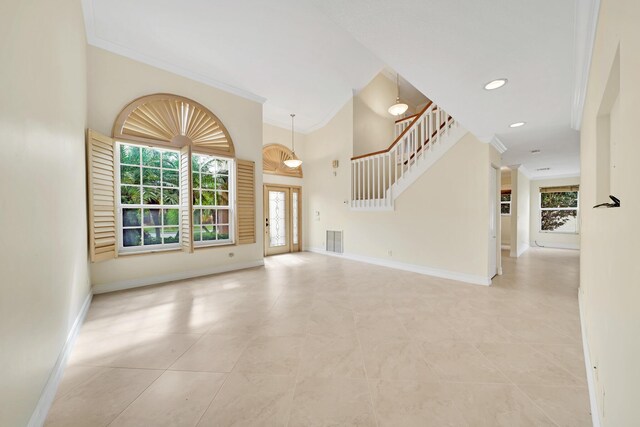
(150, 157)
(129, 154)
(170, 178)
(170, 196)
(277, 226)
(505, 209)
(223, 232)
(208, 232)
(563, 221)
(151, 176)
(196, 197)
(170, 160)
(196, 180)
(196, 216)
(568, 199)
(195, 162)
(153, 236)
(207, 216)
(208, 181)
(222, 198)
(171, 216)
(223, 216)
(209, 165)
(129, 195)
(505, 197)
(151, 196)
(222, 182)
(294, 214)
(170, 235)
(130, 175)
(152, 217)
(131, 217)
(197, 233)
(208, 198)
(223, 167)
(131, 237)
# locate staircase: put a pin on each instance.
(378, 179)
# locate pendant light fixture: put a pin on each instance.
(295, 161)
(399, 107)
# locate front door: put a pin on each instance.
(281, 227)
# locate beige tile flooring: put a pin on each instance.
(312, 340)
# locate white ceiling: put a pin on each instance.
(307, 56)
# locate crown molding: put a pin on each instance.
(498, 144)
(94, 40)
(585, 24)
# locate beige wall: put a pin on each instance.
(113, 82)
(43, 257)
(610, 271)
(443, 227)
(520, 212)
(553, 240)
(373, 126)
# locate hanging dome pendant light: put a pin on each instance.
(295, 161)
(399, 107)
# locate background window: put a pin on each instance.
(212, 199)
(149, 197)
(505, 203)
(559, 209)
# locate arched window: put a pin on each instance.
(167, 179)
(273, 157)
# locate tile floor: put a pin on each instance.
(312, 340)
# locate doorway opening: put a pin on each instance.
(283, 219)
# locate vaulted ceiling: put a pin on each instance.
(308, 56)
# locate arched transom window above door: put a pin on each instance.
(273, 157)
(173, 121)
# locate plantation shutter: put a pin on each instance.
(101, 197)
(246, 196)
(186, 202)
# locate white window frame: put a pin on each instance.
(541, 209)
(124, 250)
(505, 203)
(231, 206)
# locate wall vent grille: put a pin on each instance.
(334, 241)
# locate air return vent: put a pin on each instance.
(334, 241)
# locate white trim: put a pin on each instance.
(552, 245)
(420, 269)
(154, 280)
(585, 24)
(595, 416)
(498, 144)
(51, 387)
(94, 40)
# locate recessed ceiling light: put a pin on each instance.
(536, 151)
(517, 124)
(543, 169)
(495, 84)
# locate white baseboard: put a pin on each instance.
(551, 245)
(181, 275)
(51, 387)
(595, 415)
(428, 271)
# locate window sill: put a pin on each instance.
(576, 233)
(213, 245)
(151, 251)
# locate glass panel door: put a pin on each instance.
(277, 222)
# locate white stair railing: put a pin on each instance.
(374, 175)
